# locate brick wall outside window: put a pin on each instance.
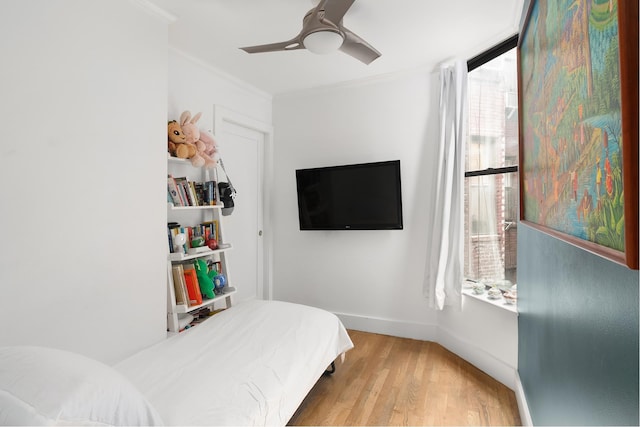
(490, 252)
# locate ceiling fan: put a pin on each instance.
(323, 32)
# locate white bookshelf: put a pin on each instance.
(193, 216)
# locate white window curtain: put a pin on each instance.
(445, 264)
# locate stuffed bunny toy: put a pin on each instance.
(193, 135)
(189, 127)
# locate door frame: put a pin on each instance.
(222, 115)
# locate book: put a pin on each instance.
(209, 229)
(188, 232)
(193, 286)
(173, 191)
(215, 231)
(179, 285)
(192, 193)
(184, 320)
(209, 188)
(199, 187)
(173, 229)
(181, 183)
(177, 248)
(216, 266)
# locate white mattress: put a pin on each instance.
(252, 364)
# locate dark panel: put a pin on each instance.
(577, 333)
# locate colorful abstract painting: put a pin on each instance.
(571, 126)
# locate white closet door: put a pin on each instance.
(241, 150)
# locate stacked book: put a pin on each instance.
(182, 192)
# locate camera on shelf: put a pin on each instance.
(226, 193)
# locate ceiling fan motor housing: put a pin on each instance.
(322, 32)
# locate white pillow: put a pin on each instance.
(45, 386)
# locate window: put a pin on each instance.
(491, 164)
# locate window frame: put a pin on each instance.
(472, 64)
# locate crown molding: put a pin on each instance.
(155, 11)
(222, 74)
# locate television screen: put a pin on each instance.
(364, 196)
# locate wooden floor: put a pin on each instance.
(394, 381)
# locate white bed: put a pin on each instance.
(252, 364)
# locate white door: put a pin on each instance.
(241, 150)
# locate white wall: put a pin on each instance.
(84, 89)
(197, 87)
(362, 274)
(373, 279)
(484, 335)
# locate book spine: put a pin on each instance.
(192, 193)
(173, 229)
(193, 288)
(179, 285)
(199, 187)
(179, 190)
(210, 192)
(173, 191)
(182, 190)
(217, 266)
(187, 193)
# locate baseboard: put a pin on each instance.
(523, 407)
(478, 357)
(413, 330)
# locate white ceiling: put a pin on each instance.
(410, 34)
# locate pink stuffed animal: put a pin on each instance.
(189, 127)
(193, 134)
(211, 147)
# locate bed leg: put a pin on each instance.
(330, 370)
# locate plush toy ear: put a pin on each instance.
(196, 118)
(185, 117)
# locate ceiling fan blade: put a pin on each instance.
(292, 44)
(358, 48)
(334, 10)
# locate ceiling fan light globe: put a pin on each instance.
(323, 42)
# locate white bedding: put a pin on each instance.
(252, 364)
(48, 386)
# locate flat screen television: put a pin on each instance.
(365, 196)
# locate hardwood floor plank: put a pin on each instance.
(395, 381)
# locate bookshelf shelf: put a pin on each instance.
(187, 257)
(188, 185)
(183, 309)
(170, 206)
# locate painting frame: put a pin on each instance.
(562, 147)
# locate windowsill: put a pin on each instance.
(499, 303)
